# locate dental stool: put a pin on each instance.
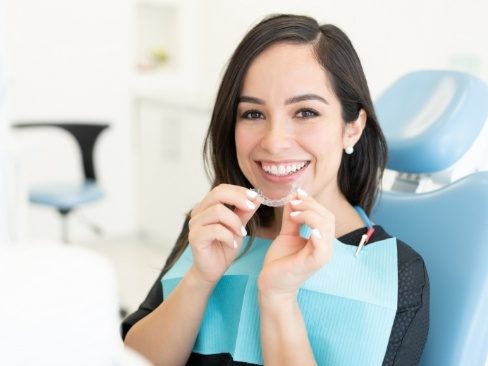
(435, 126)
(66, 198)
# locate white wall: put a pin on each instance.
(72, 60)
(391, 37)
(75, 59)
(5, 227)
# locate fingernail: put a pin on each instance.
(316, 233)
(302, 193)
(243, 231)
(251, 205)
(294, 213)
(296, 202)
(235, 244)
(251, 194)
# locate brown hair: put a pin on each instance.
(359, 174)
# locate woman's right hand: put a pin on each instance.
(216, 231)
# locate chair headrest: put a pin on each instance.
(431, 118)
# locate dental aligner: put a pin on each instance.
(261, 198)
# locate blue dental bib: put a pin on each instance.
(349, 305)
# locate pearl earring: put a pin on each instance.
(349, 150)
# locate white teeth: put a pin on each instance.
(281, 170)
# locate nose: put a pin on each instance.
(276, 138)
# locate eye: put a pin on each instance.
(252, 114)
(307, 113)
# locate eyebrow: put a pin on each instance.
(301, 98)
(246, 99)
(298, 98)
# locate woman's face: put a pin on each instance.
(289, 126)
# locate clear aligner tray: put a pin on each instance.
(275, 203)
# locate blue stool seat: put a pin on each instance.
(65, 196)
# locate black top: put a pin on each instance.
(410, 328)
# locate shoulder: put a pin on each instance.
(413, 280)
(411, 325)
(412, 272)
(408, 258)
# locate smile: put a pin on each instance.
(283, 169)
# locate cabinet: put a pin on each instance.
(167, 47)
(170, 115)
(170, 170)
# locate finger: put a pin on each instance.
(302, 201)
(237, 196)
(288, 225)
(204, 236)
(245, 215)
(323, 229)
(308, 204)
(219, 214)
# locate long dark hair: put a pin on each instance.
(359, 174)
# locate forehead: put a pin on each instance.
(287, 68)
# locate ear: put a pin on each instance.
(353, 130)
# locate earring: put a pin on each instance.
(349, 150)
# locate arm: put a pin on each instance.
(166, 336)
(163, 330)
(283, 334)
(289, 262)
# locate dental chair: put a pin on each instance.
(436, 129)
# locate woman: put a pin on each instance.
(293, 118)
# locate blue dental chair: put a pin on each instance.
(432, 120)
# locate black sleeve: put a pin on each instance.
(152, 301)
(411, 324)
(155, 296)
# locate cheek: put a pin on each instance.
(325, 145)
(244, 145)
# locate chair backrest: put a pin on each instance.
(85, 134)
(447, 226)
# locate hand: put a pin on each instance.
(291, 260)
(216, 231)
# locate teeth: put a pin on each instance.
(281, 170)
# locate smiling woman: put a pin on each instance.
(295, 124)
(293, 109)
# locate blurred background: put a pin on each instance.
(150, 70)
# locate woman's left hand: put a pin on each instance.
(291, 260)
